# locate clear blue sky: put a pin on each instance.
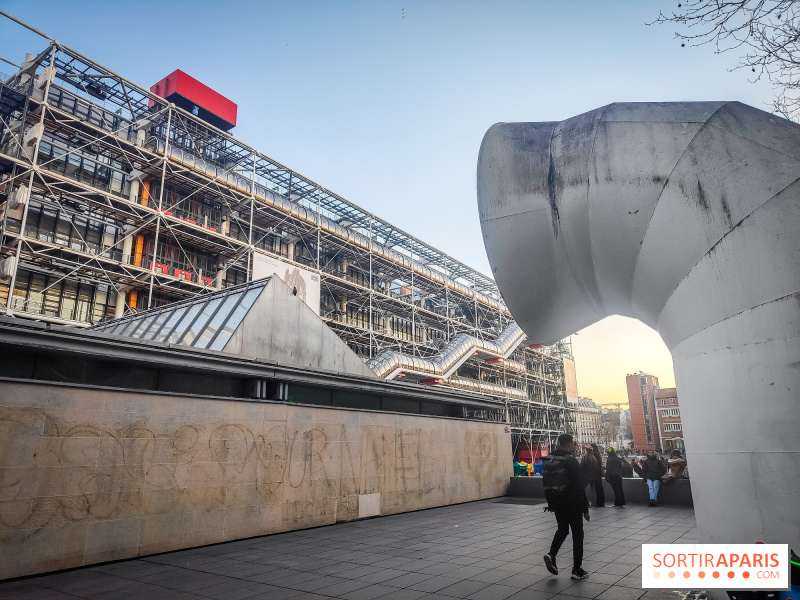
(386, 102)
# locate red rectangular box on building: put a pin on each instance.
(163, 269)
(185, 91)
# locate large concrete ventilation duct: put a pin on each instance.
(687, 217)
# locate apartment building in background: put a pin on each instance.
(642, 389)
(669, 419)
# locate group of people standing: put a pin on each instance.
(652, 469)
(592, 469)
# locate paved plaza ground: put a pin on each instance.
(487, 550)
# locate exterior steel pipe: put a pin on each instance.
(687, 217)
(390, 363)
(489, 389)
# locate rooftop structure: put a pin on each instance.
(115, 201)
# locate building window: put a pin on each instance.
(672, 426)
(56, 296)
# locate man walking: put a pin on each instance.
(566, 497)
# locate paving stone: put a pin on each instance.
(494, 592)
(343, 587)
(435, 584)
(382, 576)
(462, 589)
(585, 589)
(620, 593)
(369, 592)
(409, 579)
(405, 594)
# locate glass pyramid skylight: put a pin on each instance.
(203, 322)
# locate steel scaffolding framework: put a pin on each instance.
(114, 200)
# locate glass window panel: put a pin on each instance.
(121, 327)
(173, 319)
(184, 323)
(52, 298)
(236, 318)
(143, 325)
(63, 229)
(201, 321)
(153, 329)
(68, 298)
(217, 320)
(128, 327)
(111, 329)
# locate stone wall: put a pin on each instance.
(91, 475)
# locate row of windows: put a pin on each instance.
(84, 110)
(672, 427)
(183, 258)
(54, 296)
(183, 204)
(91, 171)
(261, 240)
(397, 327)
(666, 401)
(50, 223)
(671, 412)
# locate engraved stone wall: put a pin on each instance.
(92, 475)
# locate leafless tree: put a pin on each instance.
(766, 31)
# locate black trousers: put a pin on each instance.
(616, 484)
(569, 520)
(599, 492)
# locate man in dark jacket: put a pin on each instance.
(614, 477)
(570, 506)
(652, 472)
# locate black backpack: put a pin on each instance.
(555, 477)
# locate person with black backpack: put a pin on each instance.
(566, 497)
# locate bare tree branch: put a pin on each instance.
(767, 31)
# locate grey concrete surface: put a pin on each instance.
(674, 493)
(281, 327)
(687, 217)
(484, 550)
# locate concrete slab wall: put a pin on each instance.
(91, 475)
(281, 327)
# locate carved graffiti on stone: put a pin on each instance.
(65, 468)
